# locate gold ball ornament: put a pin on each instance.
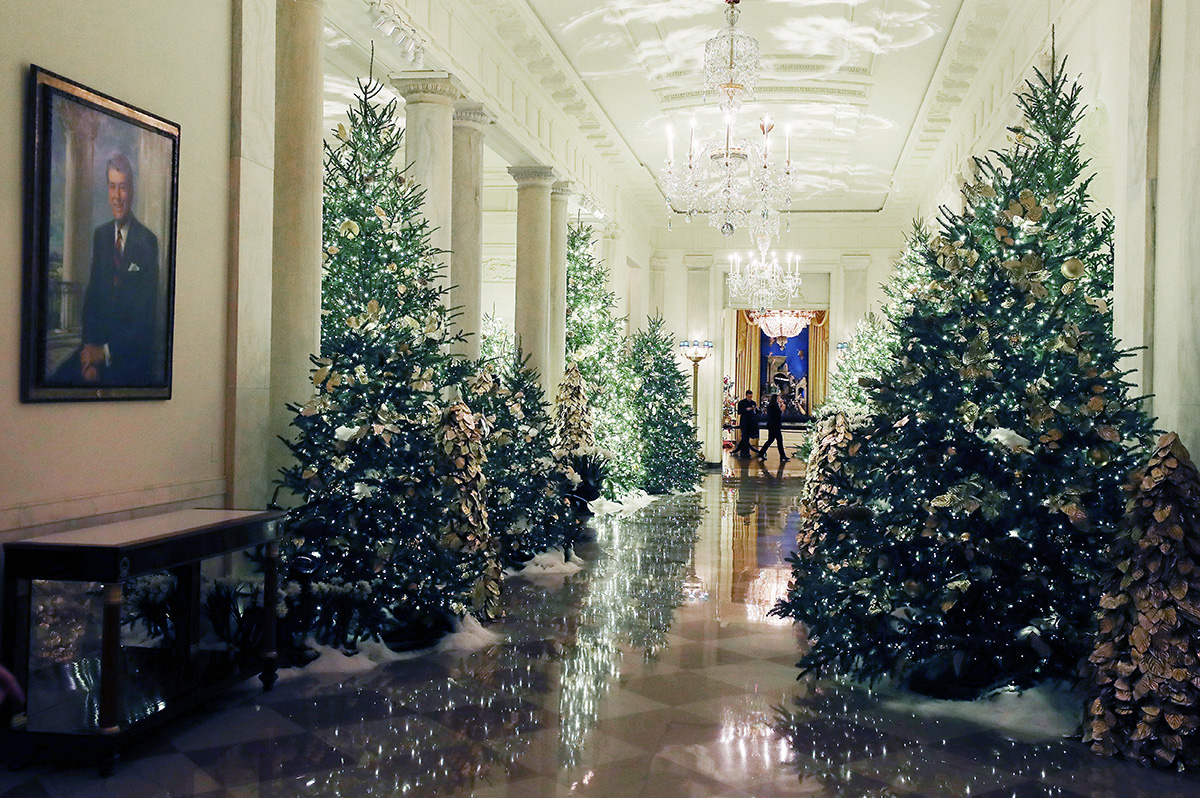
(1073, 268)
(1099, 455)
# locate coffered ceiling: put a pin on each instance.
(847, 76)
(871, 89)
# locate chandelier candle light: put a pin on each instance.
(695, 352)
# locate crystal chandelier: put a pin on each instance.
(762, 280)
(731, 64)
(782, 324)
(731, 180)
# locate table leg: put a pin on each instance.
(110, 661)
(270, 655)
(14, 651)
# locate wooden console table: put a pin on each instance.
(107, 692)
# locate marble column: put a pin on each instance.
(1176, 287)
(637, 283)
(556, 299)
(250, 437)
(614, 260)
(533, 264)
(429, 99)
(466, 225)
(296, 246)
(81, 127)
(854, 299)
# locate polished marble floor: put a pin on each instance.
(656, 672)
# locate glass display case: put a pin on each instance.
(112, 628)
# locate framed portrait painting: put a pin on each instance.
(102, 181)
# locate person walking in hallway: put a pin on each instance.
(747, 411)
(774, 428)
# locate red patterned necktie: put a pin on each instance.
(117, 259)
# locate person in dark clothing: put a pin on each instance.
(774, 428)
(747, 411)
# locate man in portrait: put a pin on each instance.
(119, 343)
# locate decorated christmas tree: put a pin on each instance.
(860, 363)
(1146, 664)
(495, 340)
(380, 520)
(991, 476)
(671, 456)
(527, 486)
(828, 476)
(868, 352)
(596, 344)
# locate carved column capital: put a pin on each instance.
(471, 115)
(532, 175)
(428, 86)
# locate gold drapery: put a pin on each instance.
(748, 351)
(818, 359)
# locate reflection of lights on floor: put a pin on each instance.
(767, 589)
(585, 781)
(694, 589)
(748, 734)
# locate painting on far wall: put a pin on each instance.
(784, 370)
(97, 310)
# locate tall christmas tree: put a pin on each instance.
(527, 486)
(993, 471)
(377, 517)
(596, 344)
(861, 362)
(671, 456)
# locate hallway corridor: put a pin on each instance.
(655, 672)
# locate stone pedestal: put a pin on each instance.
(533, 264)
(466, 228)
(428, 150)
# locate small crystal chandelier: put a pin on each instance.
(781, 325)
(731, 64)
(762, 280)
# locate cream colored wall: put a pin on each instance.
(61, 462)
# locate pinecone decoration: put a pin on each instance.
(1146, 665)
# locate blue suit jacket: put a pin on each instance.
(120, 307)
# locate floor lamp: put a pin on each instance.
(695, 352)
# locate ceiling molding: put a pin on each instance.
(973, 38)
